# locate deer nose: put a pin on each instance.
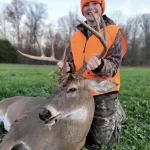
(45, 114)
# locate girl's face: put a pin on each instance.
(92, 7)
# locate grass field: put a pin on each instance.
(134, 95)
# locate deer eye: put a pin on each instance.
(72, 90)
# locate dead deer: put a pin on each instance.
(65, 120)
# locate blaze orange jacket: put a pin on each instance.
(82, 47)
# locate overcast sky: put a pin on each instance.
(58, 8)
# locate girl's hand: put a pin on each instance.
(61, 63)
(93, 63)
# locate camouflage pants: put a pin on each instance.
(108, 117)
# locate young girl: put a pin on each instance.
(109, 115)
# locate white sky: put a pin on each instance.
(58, 8)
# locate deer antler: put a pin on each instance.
(102, 39)
(52, 58)
(43, 57)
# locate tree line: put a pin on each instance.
(21, 19)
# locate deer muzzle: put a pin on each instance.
(49, 117)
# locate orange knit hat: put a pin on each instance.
(102, 2)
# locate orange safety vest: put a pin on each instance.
(87, 48)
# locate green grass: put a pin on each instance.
(31, 80)
(26, 80)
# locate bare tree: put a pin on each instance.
(118, 17)
(35, 15)
(14, 13)
(132, 32)
(145, 25)
(127, 28)
(3, 24)
(67, 24)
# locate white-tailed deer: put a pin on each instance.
(65, 120)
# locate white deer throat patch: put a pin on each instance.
(79, 115)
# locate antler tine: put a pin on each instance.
(64, 58)
(102, 39)
(41, 50)
(97, 24)
(104, 29)
(65, 52)
(63, 70)
(52, 44)
(98, 30)
(42, 57)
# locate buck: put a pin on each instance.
(61, 123)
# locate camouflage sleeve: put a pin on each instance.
(112, 61)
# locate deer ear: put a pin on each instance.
(101, 86)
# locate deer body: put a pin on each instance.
(67, 117)
(30, 133)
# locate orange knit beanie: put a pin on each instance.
(102, 2)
